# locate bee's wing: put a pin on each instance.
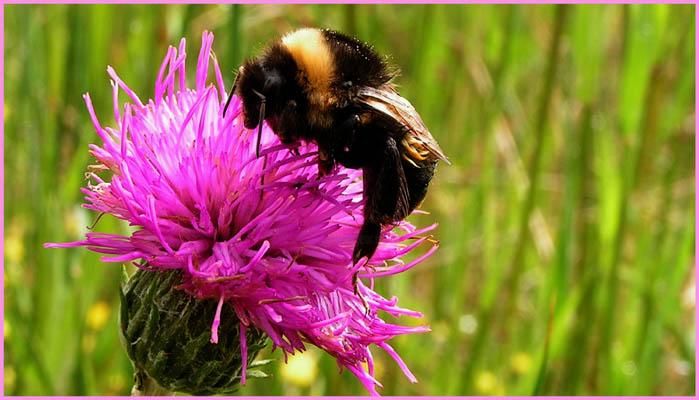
(418, 143)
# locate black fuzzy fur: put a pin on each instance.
(358, 137)
(356, 61)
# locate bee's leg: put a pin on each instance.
(367, 240)
(370, 232)
(385, 199)
(349, 148)
(288, 127)
(355, 285)
(326, 162)
(339, 146)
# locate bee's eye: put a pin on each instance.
(346, 84)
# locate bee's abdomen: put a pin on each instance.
(418, 179)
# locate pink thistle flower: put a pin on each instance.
(278, 252)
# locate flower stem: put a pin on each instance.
(144, 385)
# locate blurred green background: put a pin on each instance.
(566, 221)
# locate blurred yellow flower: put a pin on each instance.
(301, 370)
(14, 248)
(489, 384)
(98, 315)
(6, 329)
(521, 363)
(10, 378)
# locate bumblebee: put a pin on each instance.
(321, 86)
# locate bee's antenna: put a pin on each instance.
(230, 95)
(263, 101)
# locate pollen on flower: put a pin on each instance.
(265, 236)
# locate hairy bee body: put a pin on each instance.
(334, 90)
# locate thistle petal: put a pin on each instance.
(278, 254)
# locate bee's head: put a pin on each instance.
(261, 80)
